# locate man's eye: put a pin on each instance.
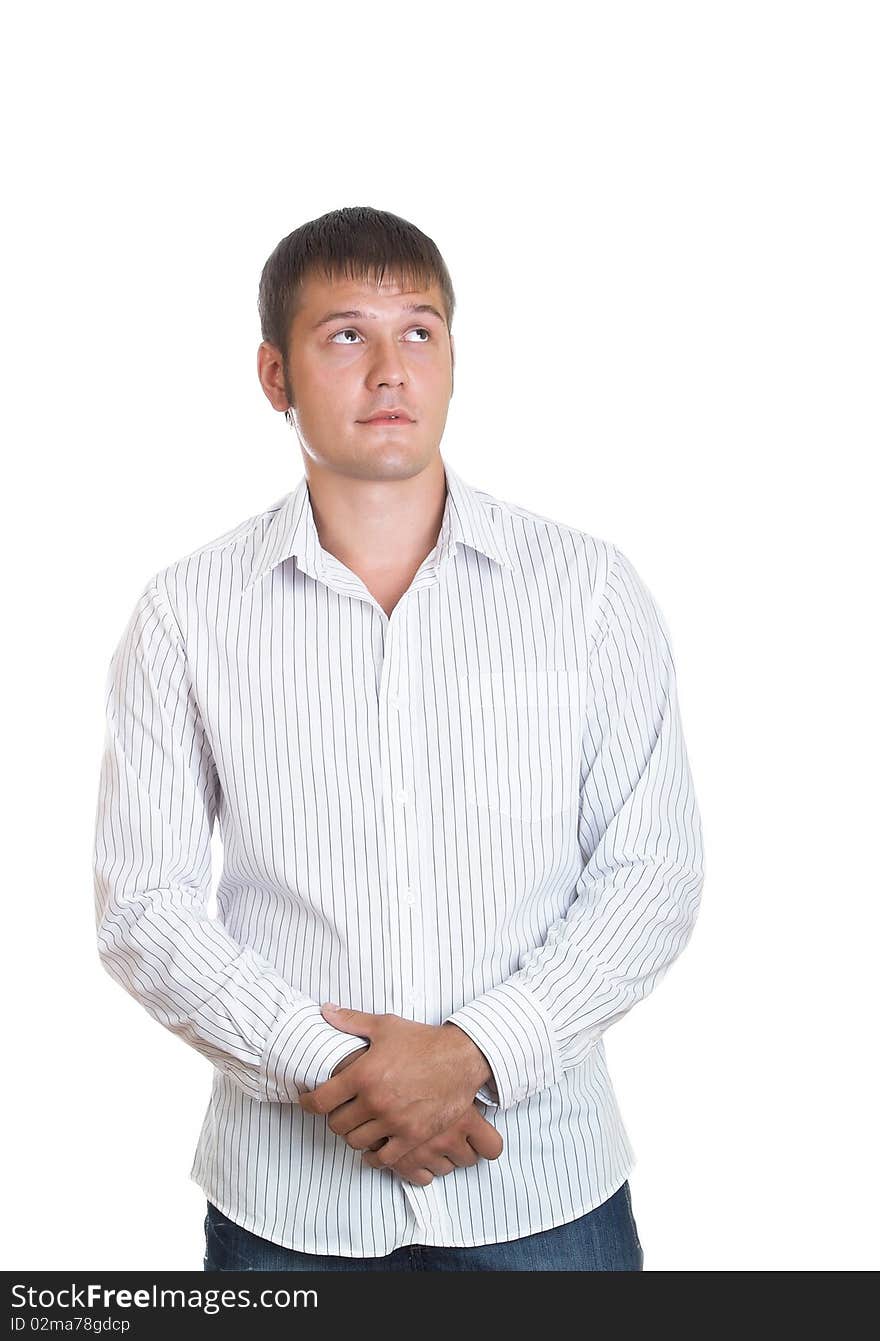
(350, 331)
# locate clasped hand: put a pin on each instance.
(410, 1084)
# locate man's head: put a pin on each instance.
(330, 370)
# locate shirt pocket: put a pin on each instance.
(523, 731)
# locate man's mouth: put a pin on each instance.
(388, 417)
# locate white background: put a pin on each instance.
(661, 222)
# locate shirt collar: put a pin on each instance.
(467, 520)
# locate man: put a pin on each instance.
(442, 739)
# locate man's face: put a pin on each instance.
(342, 369)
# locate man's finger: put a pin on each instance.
(487, 1143)
(393, 1150)
(333, 1092)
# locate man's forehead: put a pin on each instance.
(352, 293)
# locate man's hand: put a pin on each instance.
(412, 1083)
(460, 1145)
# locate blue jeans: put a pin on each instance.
(605, 1239)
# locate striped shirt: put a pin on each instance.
(476, 809)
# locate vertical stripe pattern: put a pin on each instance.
(476, 809)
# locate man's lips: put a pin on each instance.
(386, 423)
(388, 417)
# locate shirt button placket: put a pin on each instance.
(393, 723)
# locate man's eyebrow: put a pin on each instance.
(354, 315)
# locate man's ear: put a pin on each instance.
(268, 359)
(452, 352)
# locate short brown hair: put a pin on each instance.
(356, 242)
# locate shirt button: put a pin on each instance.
(409, 896)
(401, 794)
(394, 701)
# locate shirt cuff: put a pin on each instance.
(302, 1052)
(515, 1034)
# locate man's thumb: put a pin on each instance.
(350, 1021)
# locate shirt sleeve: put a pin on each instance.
(636, 900)
(158, 798)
